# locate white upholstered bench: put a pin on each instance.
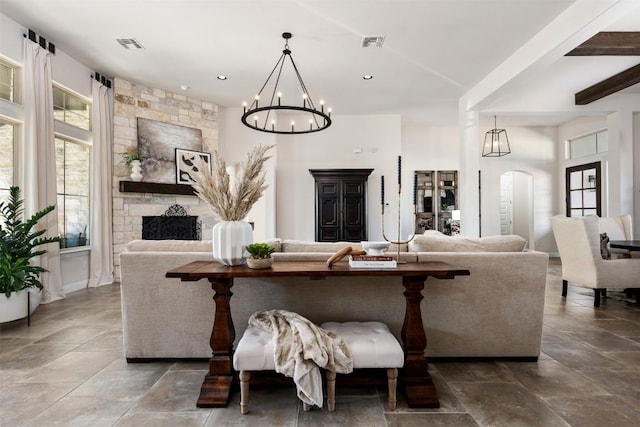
(254, 353)
(372, 345)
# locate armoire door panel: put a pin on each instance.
(328, 213)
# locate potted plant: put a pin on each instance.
(259, 255)
(18, 245)
(132, 159)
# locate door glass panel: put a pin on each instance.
(576, 199)
(589, 198)
(590, 212)
(576, 180)
(589, 178)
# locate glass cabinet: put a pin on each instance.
(436, 201)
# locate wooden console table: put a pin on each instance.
(418, 386)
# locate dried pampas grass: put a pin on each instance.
(233, 204)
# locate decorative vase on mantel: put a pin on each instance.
(136, 170)
(229, 241)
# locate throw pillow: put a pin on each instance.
(604, 246)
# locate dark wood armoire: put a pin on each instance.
(341, 204)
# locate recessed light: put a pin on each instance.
(222, 77)
(185, 87)
(367, 77)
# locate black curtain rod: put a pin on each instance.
(41, 41)
(101, 79)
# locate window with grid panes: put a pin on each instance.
(73, 161)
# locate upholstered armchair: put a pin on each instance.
(578, 241)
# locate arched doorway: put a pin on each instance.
(516, 205)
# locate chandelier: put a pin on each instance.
(308, 118)
(496, 142)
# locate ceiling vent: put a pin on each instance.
(372, 41)
(130, 43)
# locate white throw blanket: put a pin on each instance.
(300, 347)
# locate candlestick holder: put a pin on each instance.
(399, 241)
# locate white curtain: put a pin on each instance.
(38, 172)
(101, 271)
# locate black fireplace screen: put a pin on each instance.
(170, 227)
(174, 224)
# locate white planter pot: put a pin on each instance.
(15, 307)
(259, 263)
(229, 241)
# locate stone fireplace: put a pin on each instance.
(132, 100)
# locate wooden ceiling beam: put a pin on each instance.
(620, 43)
(611, 85)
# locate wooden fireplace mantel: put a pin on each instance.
(156, 187)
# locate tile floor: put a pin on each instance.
(67, 369)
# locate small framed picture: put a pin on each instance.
(187, 164)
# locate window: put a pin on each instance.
(71, 109)
(73, 161)
(588, 145)
(7, 82)
(7, 138)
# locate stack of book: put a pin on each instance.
(372, 261)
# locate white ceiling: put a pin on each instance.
(435, 51)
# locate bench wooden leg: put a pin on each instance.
(245, 376)
(392, 379)
(331, 390)
(564, 288)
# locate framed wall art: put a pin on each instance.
(157, 142)
(188, 163)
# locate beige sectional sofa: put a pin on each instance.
(495, 312)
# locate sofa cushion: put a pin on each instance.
(324, 247)
(438, 242)
(179, 245)
(169, 246)
(328, 247)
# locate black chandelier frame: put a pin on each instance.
(319, 120)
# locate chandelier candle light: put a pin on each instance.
(398, 242)
(259, 118)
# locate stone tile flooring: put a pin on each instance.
(68, 369)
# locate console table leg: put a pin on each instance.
(216, 388)
(418, 385)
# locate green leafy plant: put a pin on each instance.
(18, 245)
(129, 157)
(260, 250)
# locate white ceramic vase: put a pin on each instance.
(14, 307)
(229, 241)
(136, 170)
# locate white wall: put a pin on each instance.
(620, 165)
(379, 138)
(533, 150)
(238, 141)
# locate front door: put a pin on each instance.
(583, 190)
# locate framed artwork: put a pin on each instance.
(157, 142)
(188, 162)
